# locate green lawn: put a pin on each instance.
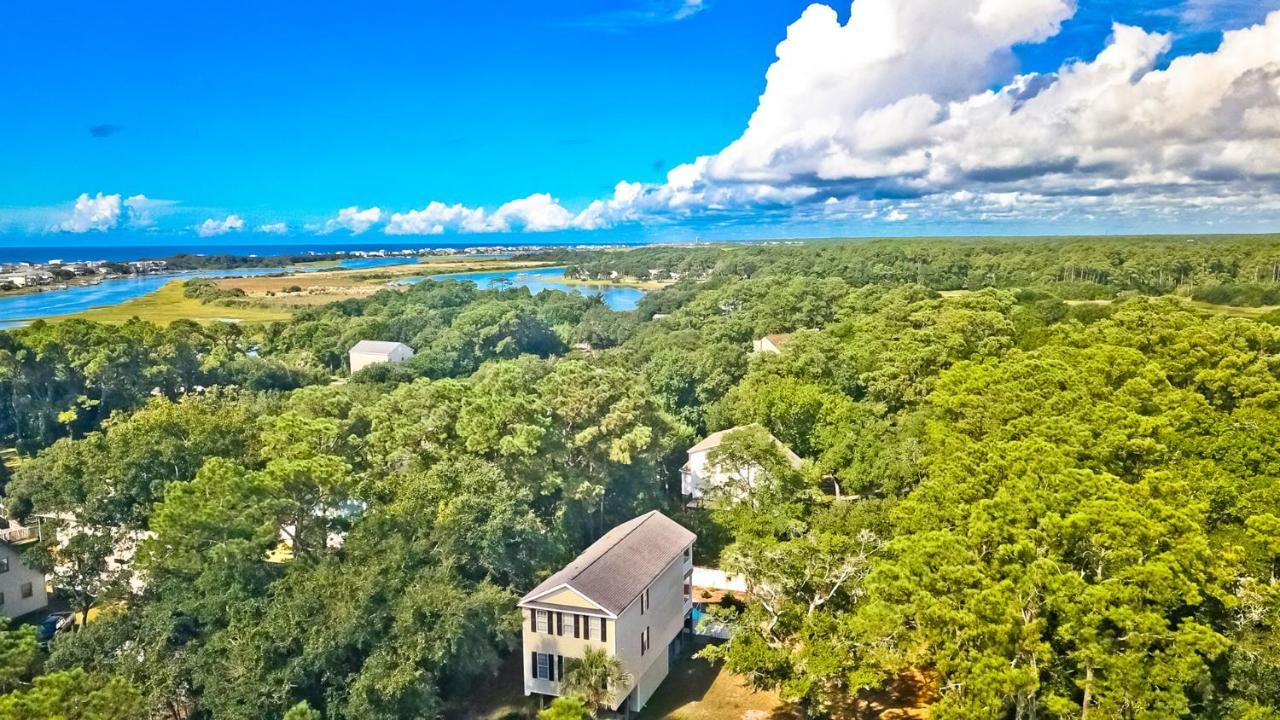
(697, 689)
(168, 304)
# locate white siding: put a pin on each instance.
(12, 582)
(698, 476)
(361, 360)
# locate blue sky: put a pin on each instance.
(282, 112)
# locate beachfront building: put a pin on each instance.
(373, 352)
(629, 594)
(699, 474)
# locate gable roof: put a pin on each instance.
(378, 347)
(619, 566)
(715, 439)
(778, 339)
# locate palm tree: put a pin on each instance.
(594, 677)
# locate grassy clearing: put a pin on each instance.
(696, 689)
(300, 289)
(1232, 310)
(9, 457)
(168, 304)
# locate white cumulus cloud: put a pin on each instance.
(354, 220)
(921, 102)
(897, 102)
(536, 213)
(437, 218)
(98, 212)
(212, 228)
(276, 228)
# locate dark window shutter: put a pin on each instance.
(559, 667)
(577, 622)
(533, 666)
(559, 623)
(533, 621)
(604, 630)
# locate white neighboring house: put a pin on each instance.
(630, 594)
(699, 475)
(373, 352)
(770, 343)
(124, 546)
(22, 589)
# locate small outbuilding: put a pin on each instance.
(373, 352)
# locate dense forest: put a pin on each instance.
(1037, 481)
(1226, 270)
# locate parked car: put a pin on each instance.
(52, 624)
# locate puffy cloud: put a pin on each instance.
(537, 213)
(354, 219)
(839, 96)
(894, 103)
(99, 212)
(277, 228)
(212, 228)
(435, 219)
(912, 110)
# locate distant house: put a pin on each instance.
(770, 343)
(22, 589)
(125, 542)
(699, 474)
(373, 352)
(630, 594)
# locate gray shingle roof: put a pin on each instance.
(377, 347)
(619, 566)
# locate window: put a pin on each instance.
(4, 565)
(543, 621)
(25, 590)
(644, 641)
(1, 598)
(544, 667)
(688, 553)
(593, 632)
(688, 591)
